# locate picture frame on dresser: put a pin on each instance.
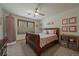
(73, 28)
(64, 21)
(73, 20)
(64, 28)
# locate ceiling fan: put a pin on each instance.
(36, 12)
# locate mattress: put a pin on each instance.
(47, 38)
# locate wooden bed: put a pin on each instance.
(34, 41)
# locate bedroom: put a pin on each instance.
(20, 20)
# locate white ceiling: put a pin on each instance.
(48, 9)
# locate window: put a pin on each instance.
(25, 26)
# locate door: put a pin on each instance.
(10, 29)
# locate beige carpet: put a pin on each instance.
(21, 49)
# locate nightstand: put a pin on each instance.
(70, 41)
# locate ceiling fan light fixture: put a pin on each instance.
(36, 14)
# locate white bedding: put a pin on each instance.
(47, 38)
(42, 35)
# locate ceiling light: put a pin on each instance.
(36, 13)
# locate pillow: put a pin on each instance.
(51, 31)
(44, 31)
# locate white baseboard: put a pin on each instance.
(11, 43)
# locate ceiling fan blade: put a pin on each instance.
(28, 13)
(42, 14)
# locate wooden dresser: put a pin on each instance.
(70, 41)
(3, 47)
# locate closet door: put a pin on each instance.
(10, 29)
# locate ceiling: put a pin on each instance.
(48, 9)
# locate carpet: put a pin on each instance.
(22, 49)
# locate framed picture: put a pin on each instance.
(73, 20)
(72, 28)
(64, 21)
(64, 28)
(50, 23)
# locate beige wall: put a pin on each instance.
(1, 24)
(57, 19)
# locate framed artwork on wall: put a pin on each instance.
(50, 23)
(73, 20)
(72, 28)
(64, 28)
(64, 21)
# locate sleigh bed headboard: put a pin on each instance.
(56, 30)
